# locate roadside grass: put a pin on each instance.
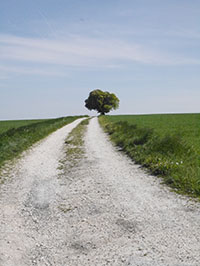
(74, 149)
(16, 140)
(8, 124)
(167, 145)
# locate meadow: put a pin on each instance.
(168, 145)
(19, 136)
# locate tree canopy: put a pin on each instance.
(102, 101)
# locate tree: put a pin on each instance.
(102, 101)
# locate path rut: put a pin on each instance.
(104, 211)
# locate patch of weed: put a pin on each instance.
(64, 208)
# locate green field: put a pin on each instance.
(167, 144)
(8, 124)
(19, 138)
(185, 125)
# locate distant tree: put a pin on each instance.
(102, 102)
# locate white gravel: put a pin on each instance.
(105, 211)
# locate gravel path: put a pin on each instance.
(104, 211)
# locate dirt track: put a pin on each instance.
(104, 211)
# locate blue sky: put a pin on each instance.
(54, 52)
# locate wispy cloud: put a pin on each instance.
(77, 51)
(74, 51)
(30, 70)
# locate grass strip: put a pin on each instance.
(169, 156)
(74, 147)
(16, 140)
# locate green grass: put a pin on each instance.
(16, 140)
(168, 145)
(6, 125)
(187, 125)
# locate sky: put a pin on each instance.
(54, 52)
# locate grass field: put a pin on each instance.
(168, 145)
(6, 125)
(19, 138)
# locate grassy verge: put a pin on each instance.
(16, 140)
(74, 149)
(165, 152)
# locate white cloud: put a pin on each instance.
(29, 70)
(79, 51)
(74, 51)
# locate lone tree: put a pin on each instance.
(102, 102)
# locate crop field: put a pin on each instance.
(6, 125)
(20, 135)
(167, 144)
